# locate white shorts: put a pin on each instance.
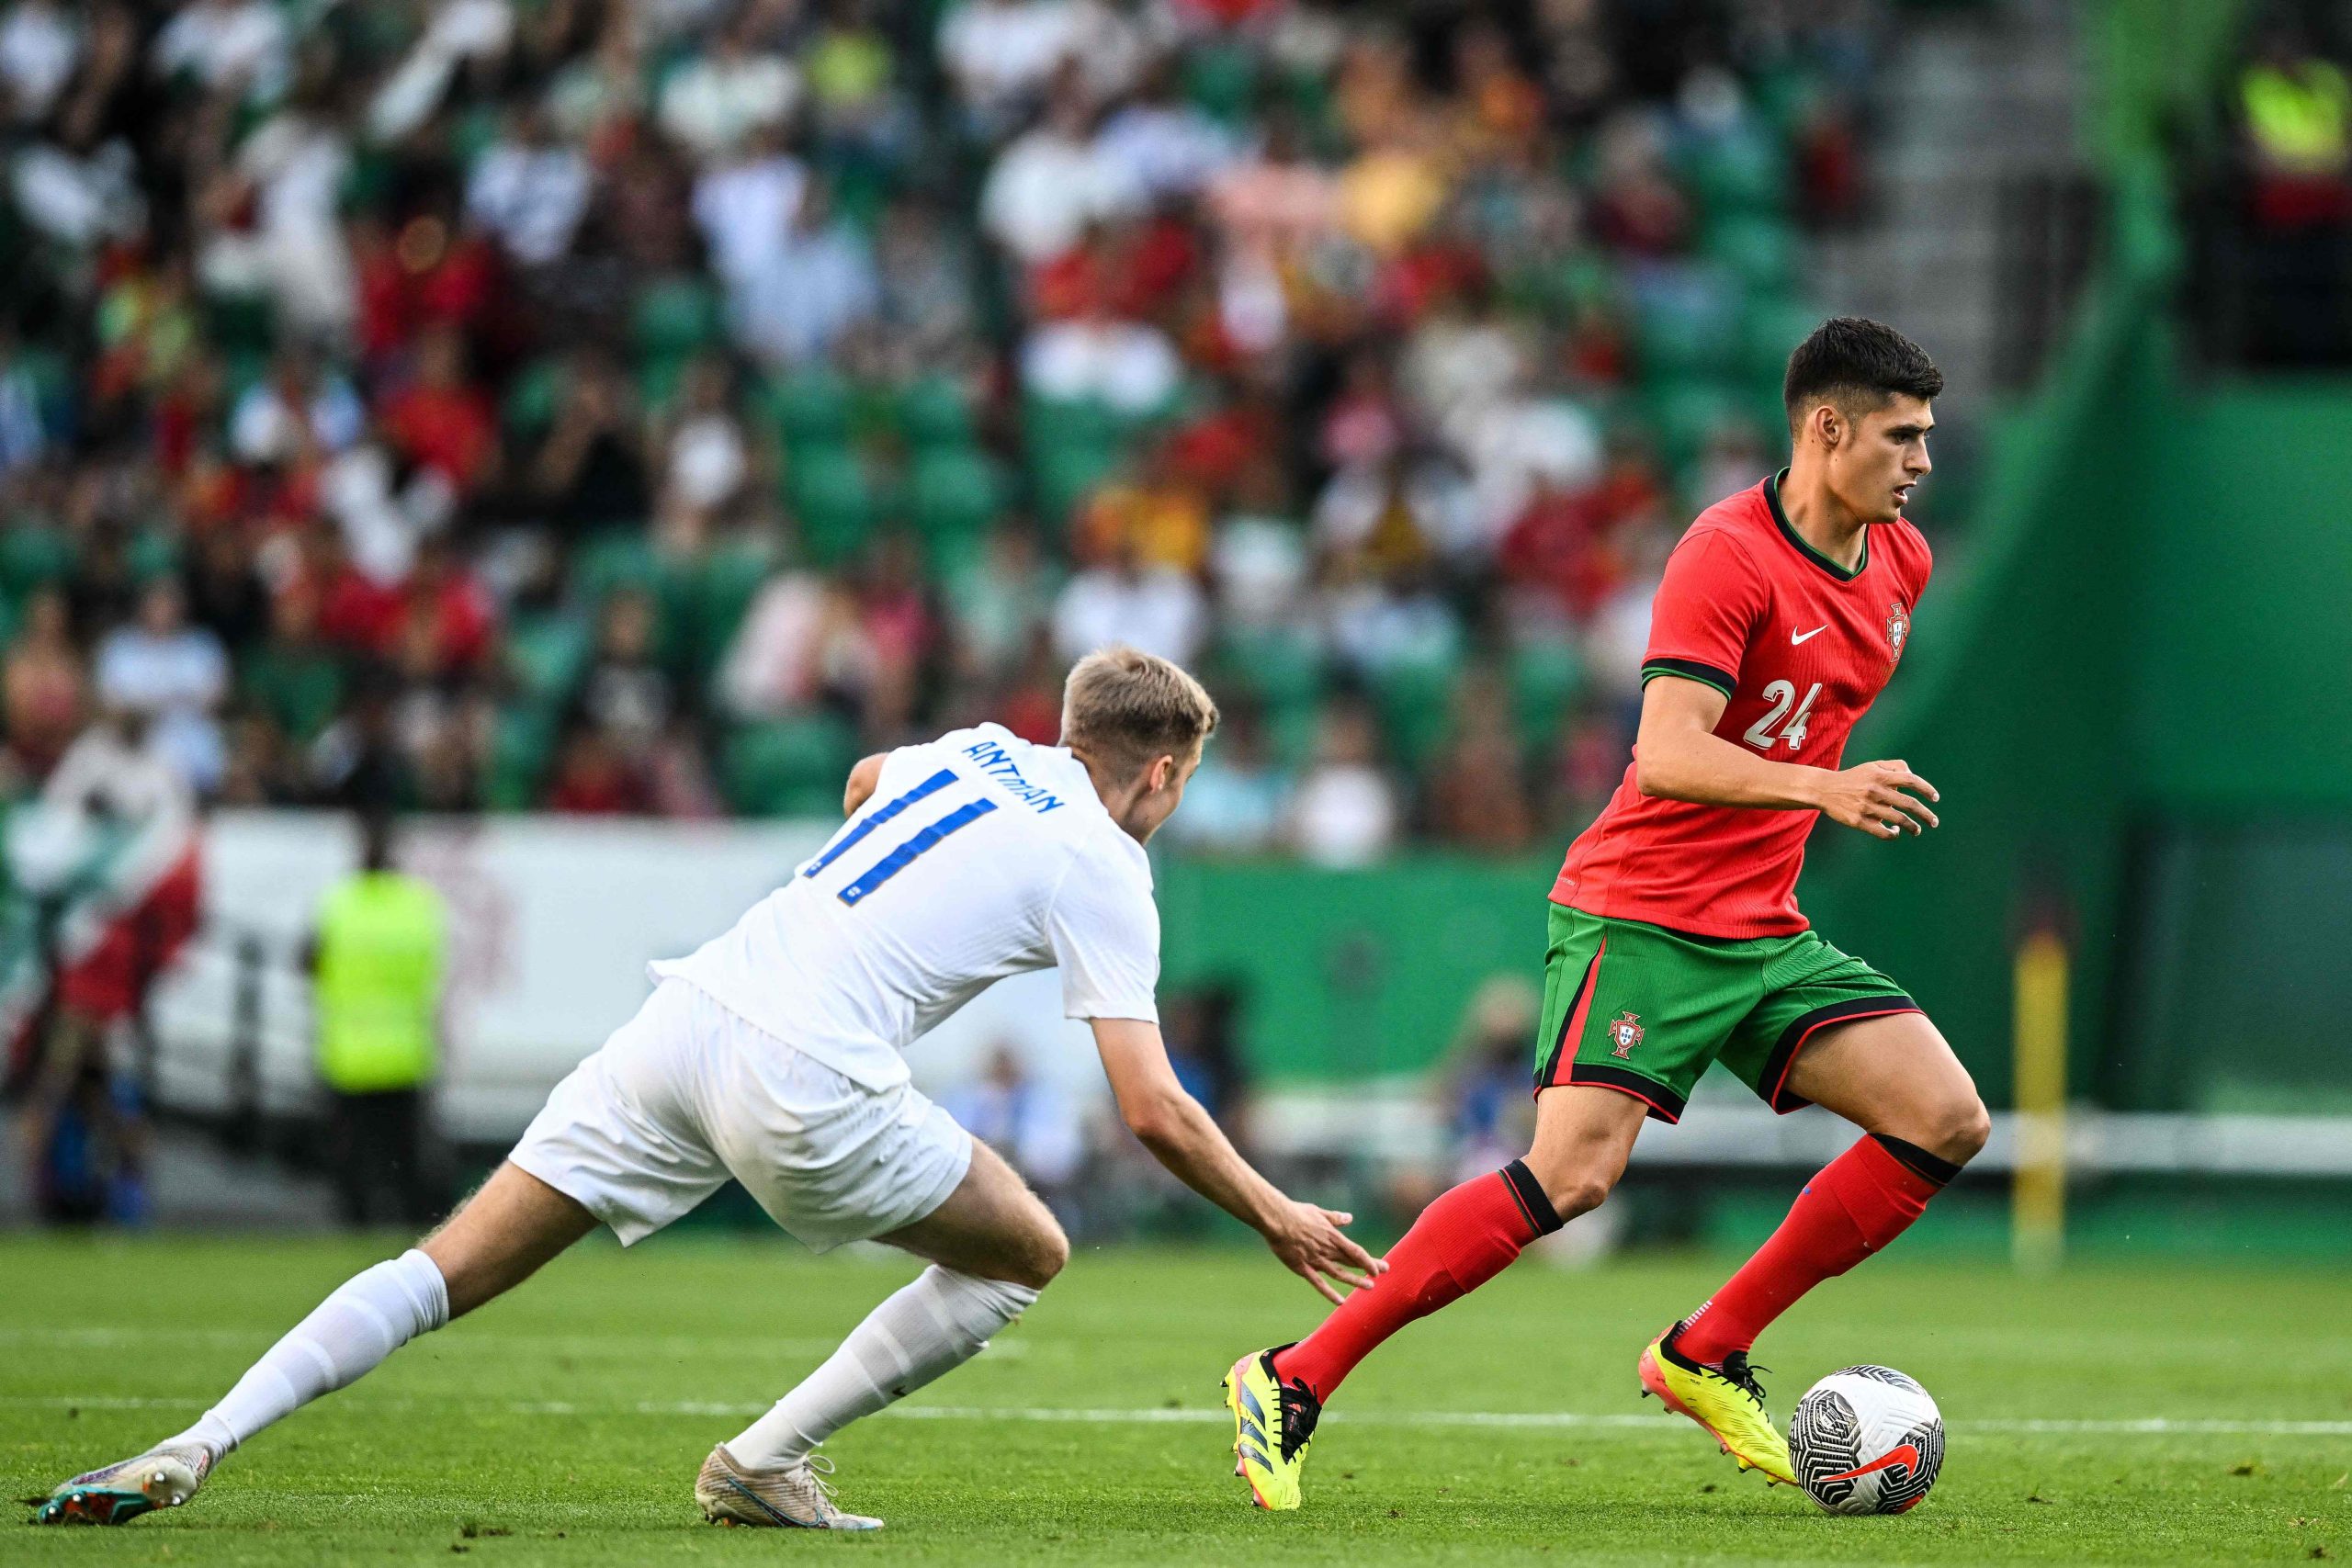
(686, 1094)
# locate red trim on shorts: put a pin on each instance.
(1572, 1029)
(1779, 1099)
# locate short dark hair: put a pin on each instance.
(1858, 365)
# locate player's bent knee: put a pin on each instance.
(1966, 1127)
(1574, 1192)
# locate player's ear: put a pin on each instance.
(1829, 424)
(1162, 773)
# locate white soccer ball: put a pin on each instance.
(1867, 1440)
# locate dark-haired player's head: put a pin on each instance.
(1858, 395)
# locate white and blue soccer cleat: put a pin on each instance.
(793, 1497)
(160, 1478)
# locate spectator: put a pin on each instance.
(1048, 186)
(442, 421)
(1478, 793)
(530, 189)
(1028, 1120)
(736, 87)
(174, 675)
(1238, 800)
(1000, 53)
(807, 287)
(1345, 813)
(1156, 608)
(43, 687)
(590, 471)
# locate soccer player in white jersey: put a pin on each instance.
(773, 1056)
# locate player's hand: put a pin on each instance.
(1309, 1242)
(1880, 798)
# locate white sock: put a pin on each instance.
(369, 1316)
(931, 1326)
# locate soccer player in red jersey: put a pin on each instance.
(1675, 936)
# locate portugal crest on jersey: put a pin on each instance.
(1898, 630)
(1625, 1030)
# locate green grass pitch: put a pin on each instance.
(564, 1423)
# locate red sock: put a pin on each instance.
(1463, 1239)
(1863, 1199)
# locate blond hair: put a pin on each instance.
(1128, 707)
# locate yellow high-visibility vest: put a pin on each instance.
(2301, 119)
(381, 944)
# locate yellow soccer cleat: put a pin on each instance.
(1272, 1423)
(1727, 1401)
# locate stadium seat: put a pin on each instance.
(32, 557)
(1759, 249)
(519, 754)
(833, 497)
(1416, 703)
(1545, 678)
(1278, 666)
(809, 407)
(954, 493)
(530, 403)
(546, 653)
(1062, 475)
(786, 767)
(715, 599)
(935, 411)
(300, 691)
(675, 319)
(614, 559)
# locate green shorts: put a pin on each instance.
(1643, 1010)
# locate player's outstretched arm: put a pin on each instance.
(1678, 756)
(1183, 1137)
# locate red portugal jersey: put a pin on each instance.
(1802, 647)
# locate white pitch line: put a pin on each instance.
(1548, 1420)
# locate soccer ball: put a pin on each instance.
(1867, 1440)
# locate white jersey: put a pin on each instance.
(979, 855)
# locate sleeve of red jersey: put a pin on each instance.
(1711, 600)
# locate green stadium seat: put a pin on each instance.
(546, 654)
(1279, 666)
(834, 500)
(1416, 702)
(520, 752)
(1061, 476)
(1683, 413)
(676, 317)
(792, 766)
(954, 494)
(32, 557)
(1761, 249)
(301, 690)
(1545, 678)
(1222, 79)
(935, 411)
(1769, 330)
(530, 406)
(153, 554)
(1739, 175)
(811, 408)
(716, 598)
(612, 560)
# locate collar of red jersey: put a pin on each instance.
(1789, 532)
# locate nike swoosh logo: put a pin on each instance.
(1902, 1453)
(1800, 638)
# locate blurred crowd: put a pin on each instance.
(646, 406)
